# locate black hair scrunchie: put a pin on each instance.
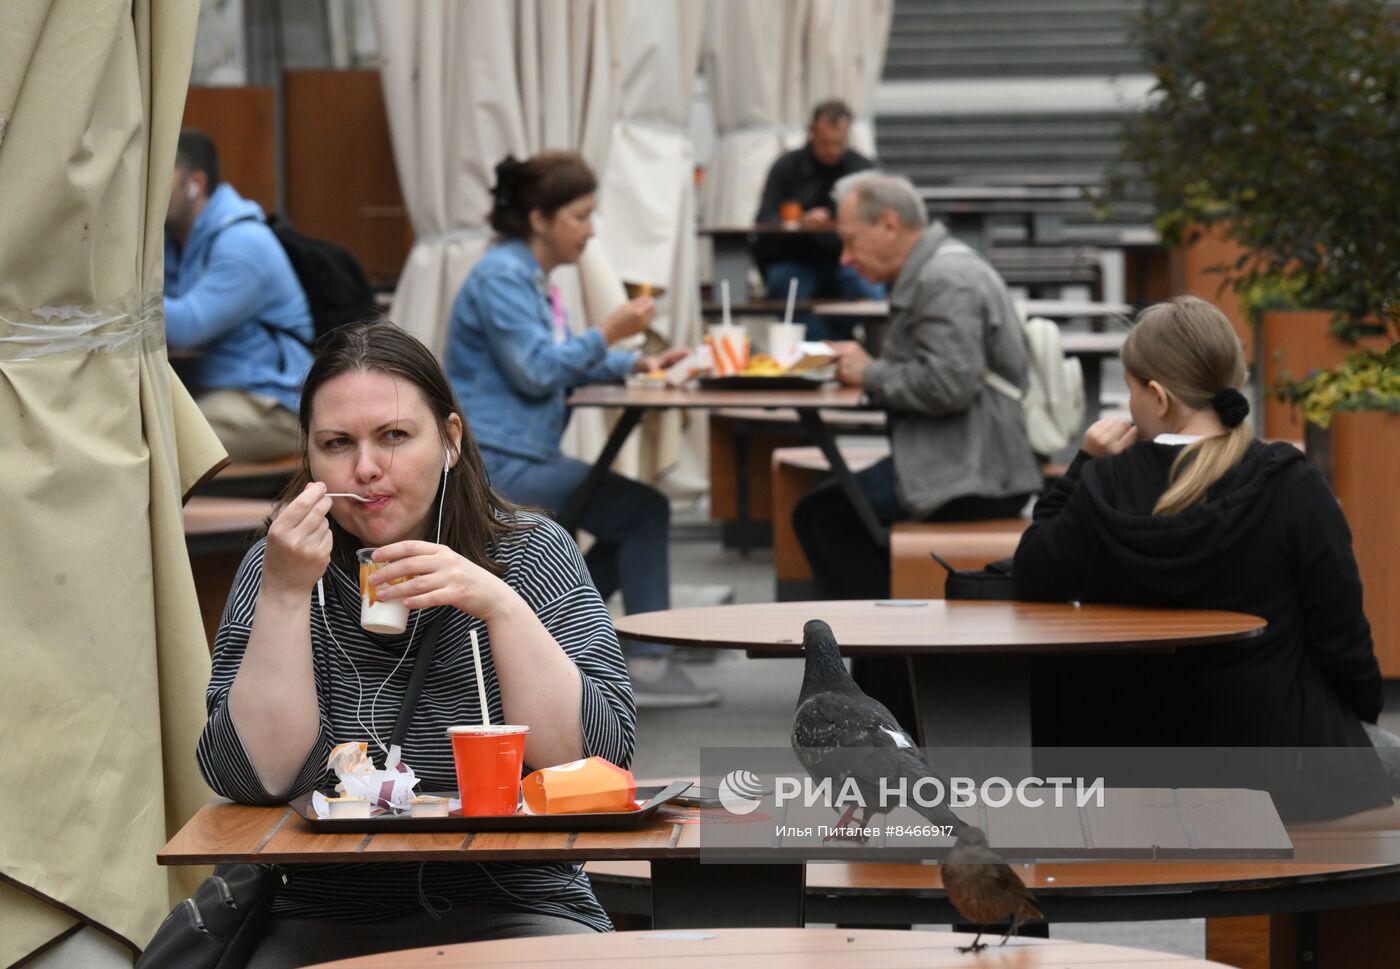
(1231, 405)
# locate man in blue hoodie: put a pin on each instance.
(231, 292)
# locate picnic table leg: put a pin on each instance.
(821, 435)
(731, 255)
(975, 701)
(596, 474)
(690, 894)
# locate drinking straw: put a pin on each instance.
(480, 682)
(792, 300)
(724, 299)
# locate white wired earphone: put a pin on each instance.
(393, 754)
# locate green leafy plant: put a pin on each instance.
(1279, 120)
(1369, 380)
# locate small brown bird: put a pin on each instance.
(984, 889)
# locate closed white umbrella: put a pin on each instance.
(845, 48)
(103, 649)
(647, 198)
(465, 84)
(754, 66)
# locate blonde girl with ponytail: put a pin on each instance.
(1183, 507)
(1184, 369)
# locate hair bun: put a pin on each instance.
(507, 181)
(1231, 405)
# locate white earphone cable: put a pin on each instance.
(418, 615)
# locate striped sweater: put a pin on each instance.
(544, 566)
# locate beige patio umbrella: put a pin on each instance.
(103, 651)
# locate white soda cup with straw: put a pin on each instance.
(728, 343)
(785, 338)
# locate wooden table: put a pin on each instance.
(808, 405)
(733, 892)
(1318, 914)
(773, 949)
(694, 882)
(969, 662)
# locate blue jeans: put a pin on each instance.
(816, 281)
(630, 522)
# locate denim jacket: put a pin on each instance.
(510, 371)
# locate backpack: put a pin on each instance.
(1054, 397)
(1053, 400)
(336, 287)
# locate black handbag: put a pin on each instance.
(993, 581)
(221, 925)
(218, 927)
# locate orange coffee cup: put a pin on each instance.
(488, 761)
(790, 213)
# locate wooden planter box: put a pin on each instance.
(1360, 454)
(1298, 341)
(1190, 274)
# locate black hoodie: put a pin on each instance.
(1269, 540)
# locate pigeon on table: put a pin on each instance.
(839, 733)
(984, 889)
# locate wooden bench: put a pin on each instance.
(218, 531)
(251, 479)
(964, 545)
(913, 572)
(795, 471)
(742, 442)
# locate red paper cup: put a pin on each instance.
(488, 760)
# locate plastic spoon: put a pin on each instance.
(341, 494)
(792, 301)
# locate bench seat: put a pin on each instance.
(964, 545)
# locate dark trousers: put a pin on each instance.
(845, 560)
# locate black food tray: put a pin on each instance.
(754, 382)
(653, 797)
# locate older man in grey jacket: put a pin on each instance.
(959, 447)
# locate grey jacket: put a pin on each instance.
(951, 320)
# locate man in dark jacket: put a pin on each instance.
(804, 179)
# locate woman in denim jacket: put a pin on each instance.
(513, 361)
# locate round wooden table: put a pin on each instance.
(773, 949)
(969, 661)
